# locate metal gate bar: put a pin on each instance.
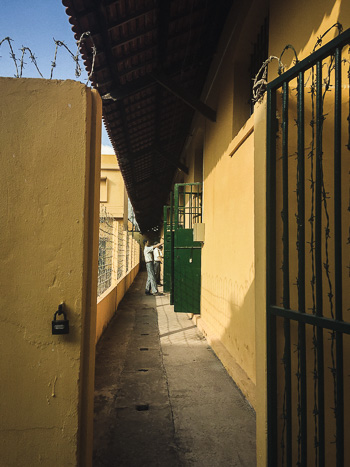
(301, 269)
(287, 403)
(318, 262)
(271, 127)
(172, 223)
(307, 318)
(316, 320)
(338, 260)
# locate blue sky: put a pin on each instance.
(34, 24)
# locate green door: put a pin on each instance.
(187, 252)
(168, 250)
(187, 272)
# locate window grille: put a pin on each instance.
(259, 55)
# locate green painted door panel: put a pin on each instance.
(187, 272)
(167, 261)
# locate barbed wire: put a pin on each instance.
(339, 26)
(260, 80)
(12, 54)
(32, 57)
(20, 63)
(259, 85)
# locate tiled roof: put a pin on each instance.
(145, 48)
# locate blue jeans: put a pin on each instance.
(151, 280)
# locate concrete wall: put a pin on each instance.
(233, 152)
(50, 153)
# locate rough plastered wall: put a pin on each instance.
(50, 156)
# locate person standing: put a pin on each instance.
(157, 261)
(151, 284)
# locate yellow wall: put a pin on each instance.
(50, 140)
(260, 279)
(116, 204)
(227, 304)
(302, 23)
(108, 302)
(228, 265)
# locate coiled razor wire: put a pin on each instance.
(20, 63)
(260, 80)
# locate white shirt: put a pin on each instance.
(148, 253)
(157, 254)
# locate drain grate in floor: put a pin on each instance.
(142, 407)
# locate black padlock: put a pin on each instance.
(60, 326)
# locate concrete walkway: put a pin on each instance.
(162, 398)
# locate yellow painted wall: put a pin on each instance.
(228, 265)
(228, 254)
(108, 302)
(117, 207)
(260, 279)
(50, 140)
(116, 203)
(302, 23)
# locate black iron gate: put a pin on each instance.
(308, 123)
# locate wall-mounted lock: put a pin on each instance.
(60, 326)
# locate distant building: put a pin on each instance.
(113, 194)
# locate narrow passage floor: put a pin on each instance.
(162, 398)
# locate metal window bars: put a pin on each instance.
(188, 205)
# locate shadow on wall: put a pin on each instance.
(297, 28)
(292, 26)
(228, 320)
